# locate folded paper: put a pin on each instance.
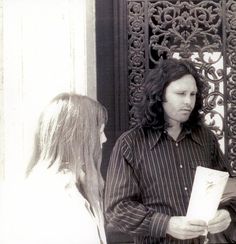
(208, 187)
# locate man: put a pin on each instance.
(152, 166)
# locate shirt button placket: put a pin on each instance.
(177, 144)
(181, 166)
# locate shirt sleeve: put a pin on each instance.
(123, 205)
(221, 164)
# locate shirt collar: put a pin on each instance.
(195, 136)
(155, 135)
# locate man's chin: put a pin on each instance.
(184, 119)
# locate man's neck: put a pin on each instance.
(174, 131)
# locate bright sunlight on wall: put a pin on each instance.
(44, 53)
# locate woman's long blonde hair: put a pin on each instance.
(69, 135)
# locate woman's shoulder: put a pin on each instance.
(48, 211)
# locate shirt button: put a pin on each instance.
(176, 144)
(185, 188)
(181, 166)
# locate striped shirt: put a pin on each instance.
(150, 177)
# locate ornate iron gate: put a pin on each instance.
(203, 31)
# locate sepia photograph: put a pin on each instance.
(117, 121)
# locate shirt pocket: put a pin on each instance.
(194, 164)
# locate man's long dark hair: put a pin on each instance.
(149, 111)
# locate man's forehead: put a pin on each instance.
(185, 82)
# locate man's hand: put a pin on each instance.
(182, 228)
(220, 222)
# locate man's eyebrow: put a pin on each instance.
(182, 89)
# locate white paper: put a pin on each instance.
(208, 187)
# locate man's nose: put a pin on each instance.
(187, 100)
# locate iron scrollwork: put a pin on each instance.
(203, 31)
(231, 80)
(136, 51)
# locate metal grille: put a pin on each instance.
(203, 31)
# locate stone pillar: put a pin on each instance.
(2, 151)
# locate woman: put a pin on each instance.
(61, 199)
